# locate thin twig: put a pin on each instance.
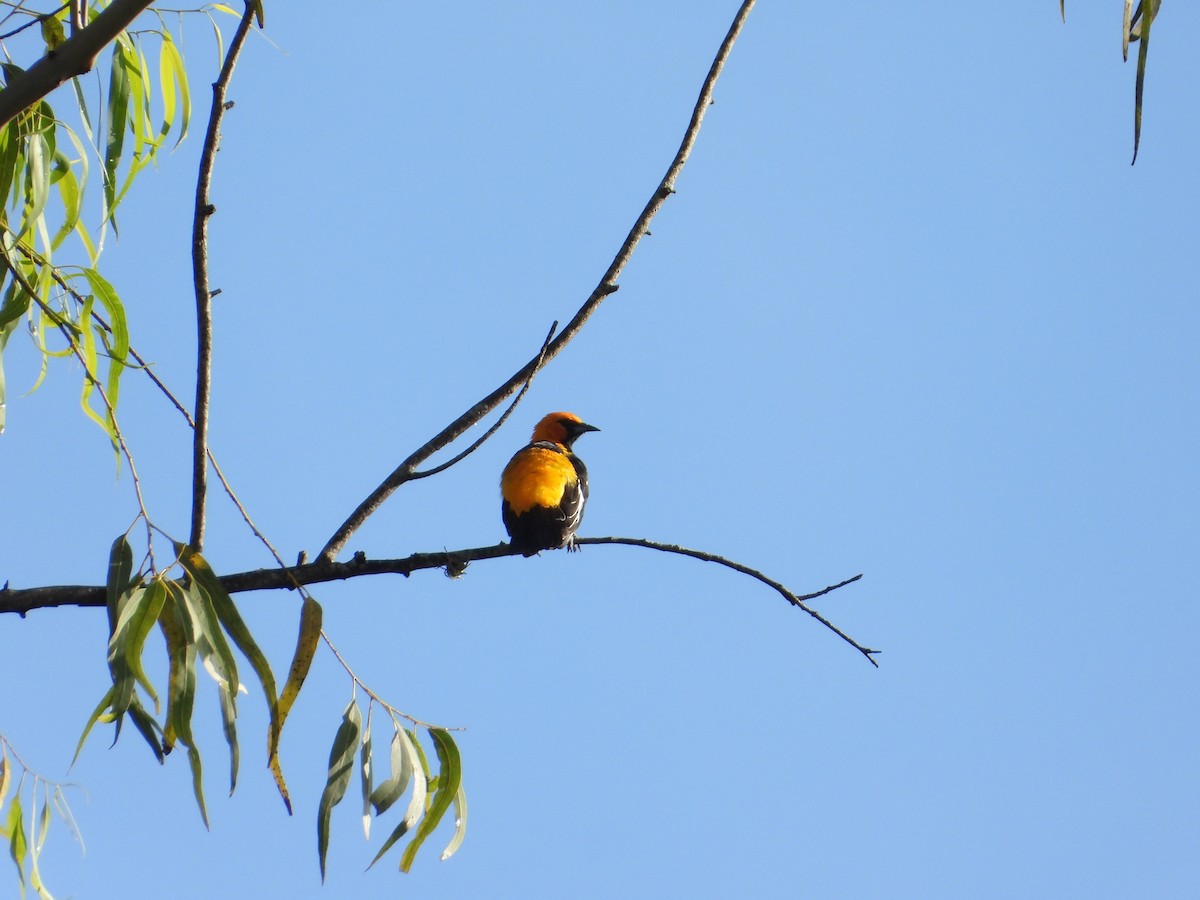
(37, 18)
(204, 209)
(28, 288)
(797, 600)
(500, 421)
(606, 286)
(370, 693)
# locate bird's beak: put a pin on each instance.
(584, 428)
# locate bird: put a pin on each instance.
(544, 487)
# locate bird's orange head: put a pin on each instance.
(561, 428)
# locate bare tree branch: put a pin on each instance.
(204, 209)
(454, 562)
(442, 467)
(608, 285)
(74, 56)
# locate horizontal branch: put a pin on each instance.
(454, 562)
(74, 56)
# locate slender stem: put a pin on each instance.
(204, 209)
(28, 288)
(500, 421)
(666, 187)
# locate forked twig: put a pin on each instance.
(607, 285)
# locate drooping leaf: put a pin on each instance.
(120, 577)
(147, 727)
(460, 824)
(116, 123)
(14, 826)
(341, 766)
(173, 76)
(449, 781)
(179, 629)
(1148, 11)
(306, 648)
(37, 178)
(5, 774)
(118, 343)
(365, 767)
(416, 807)
(235, 626)
(392, 789)
(130, 611)
(64, 812)
(142, 618)
(105, 702)
(42, 815)
(210, 638)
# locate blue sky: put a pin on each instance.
(911, 314)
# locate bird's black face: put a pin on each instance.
(575, 429)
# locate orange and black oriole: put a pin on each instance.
(544, 487)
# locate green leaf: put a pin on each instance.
(393, 788)
(120, 577)
(229, 726)
(84, 116)
(172, 75)
(5, 774)
(217, 656)
(52, 32)
(141, 620)
(115, 124)
(105, 702)
(179, 629)
(71, 196)
(130, 608)
(1148, 11)
(414, 760)
(37, 178)
(64, 811)
(147, 727)
(365, 765)
(341, 764)
(118, 344)
(460, 824)
(193, 755)
(235, 626)
(39, 841)
(14, 826)
(449, 781)
(306, 648)
(211, 644)
(87, 351)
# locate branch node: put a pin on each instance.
(609, 288)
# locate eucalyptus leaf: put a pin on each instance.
(341, 766)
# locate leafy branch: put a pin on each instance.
(26, 841)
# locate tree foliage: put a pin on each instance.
(68, 162)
